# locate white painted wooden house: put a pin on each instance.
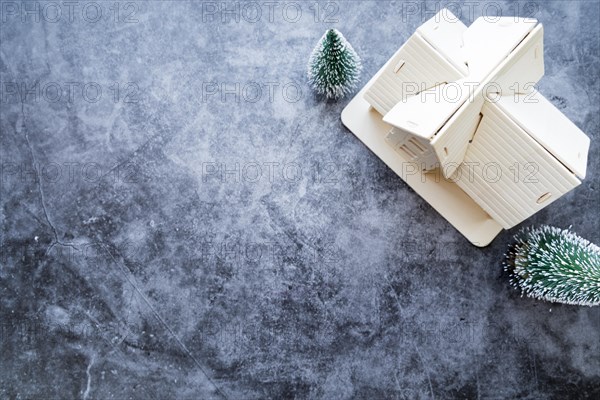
(461, 101)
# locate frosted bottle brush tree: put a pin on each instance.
(334, 67)
(555, 265)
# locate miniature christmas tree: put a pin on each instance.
(555, 265)
(334, 67)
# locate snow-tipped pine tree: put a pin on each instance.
(556, 265)
(334, 67)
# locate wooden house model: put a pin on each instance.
(459, 104)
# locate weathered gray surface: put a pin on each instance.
(322, 276)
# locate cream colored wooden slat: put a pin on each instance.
(505, 160)
(546, 160)
(523, 66)
(489, 210)
(550, 128)
(423, 65)
(477, 190)
(543, 160)
(496, 206)
(444, 34)
(450, 144)
(513, 210)
(507, 201)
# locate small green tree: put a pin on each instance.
(556, 265)
(334, 67)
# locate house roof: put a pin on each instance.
(476, 52)
(548, 126)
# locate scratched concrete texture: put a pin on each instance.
(183, 219)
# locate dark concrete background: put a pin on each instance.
(168, 239)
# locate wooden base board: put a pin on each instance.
(443, 195)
